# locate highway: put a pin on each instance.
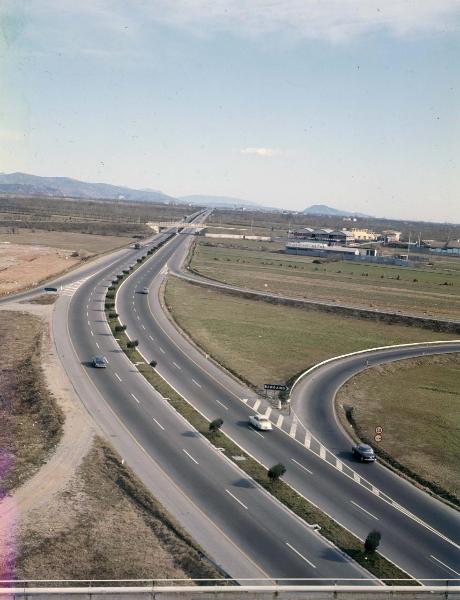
(246, 531)
(425, 542)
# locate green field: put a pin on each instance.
(417, 402)
(424, 291)
(262, 342)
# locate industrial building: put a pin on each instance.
(335, 236)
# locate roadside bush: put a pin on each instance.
(132, 344)
(139, 260)
(120, 328)
(110, 295)
(215, 425)
(113, 315)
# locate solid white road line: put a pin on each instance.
(134, 397)
(444, 565)
(196, 383)
(118, 376)
(364, 510)
(235, 498)
(301, 466)
(159, 424)
(223, 405)
(301, 555)
(177, 366)
(190, 456)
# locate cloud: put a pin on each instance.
(334, 20)
(266, 152)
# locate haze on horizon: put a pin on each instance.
(284, 102)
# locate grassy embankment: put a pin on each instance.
(30, 420)
(331, 530)
(417, 402)
(261, 342)
(105, 525)
(431, 291)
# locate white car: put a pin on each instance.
(144, 290)
(260, 422)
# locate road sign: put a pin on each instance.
(275, 386)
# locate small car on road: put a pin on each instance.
(363, 452)
(144, 290)
(260, 422)
(100, 362)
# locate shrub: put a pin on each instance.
(139, 260)
(215, 425)
(120, 327)
(113, 315)
(132, 344)
(110, 295)
(275, 472)
(372, 541)
(153, 363)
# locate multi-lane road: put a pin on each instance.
(243, 528)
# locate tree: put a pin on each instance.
(132, 344)
(372, 541)
(275, 472)
(215, 425)
(153, 363)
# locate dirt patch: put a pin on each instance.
(105, 525)
(43, 299)
(30, 420)
(25, 266)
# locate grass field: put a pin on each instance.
(417, 402)
(92, 244)
(30, 420)
(105, 525)
(425, 291)
(269, 343)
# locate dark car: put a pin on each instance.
(100, 362)
(363, 452)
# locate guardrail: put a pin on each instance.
(162, 589)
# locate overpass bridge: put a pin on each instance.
(159, 226)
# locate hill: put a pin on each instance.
(23, 183)
(322, 209)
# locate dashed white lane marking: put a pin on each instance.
(134, 397)
(322, 452)
(301, 555)
(151, 337)
(143, 326)
(280, 420)
(118, 376)
(444, 565)
(89, 324)
(87, 314)
(190, 456)
(138, 317)
(161, 350)
(301, 466)
(255, 431)
(97, 345)
(92, 333)
(364, 510)
(375, 491)
(307, 441)
(268, 412)
(235, 498)
(177, 366)
(293, 429)
(356, 477)
(339, 465)
(196, 383)
(159, 424)
(223, 405)
(256, 404)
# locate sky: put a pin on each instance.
(350, 103)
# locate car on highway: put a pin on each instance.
(363, 452)
(100, 362)
(260, 422)
(144, 290)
